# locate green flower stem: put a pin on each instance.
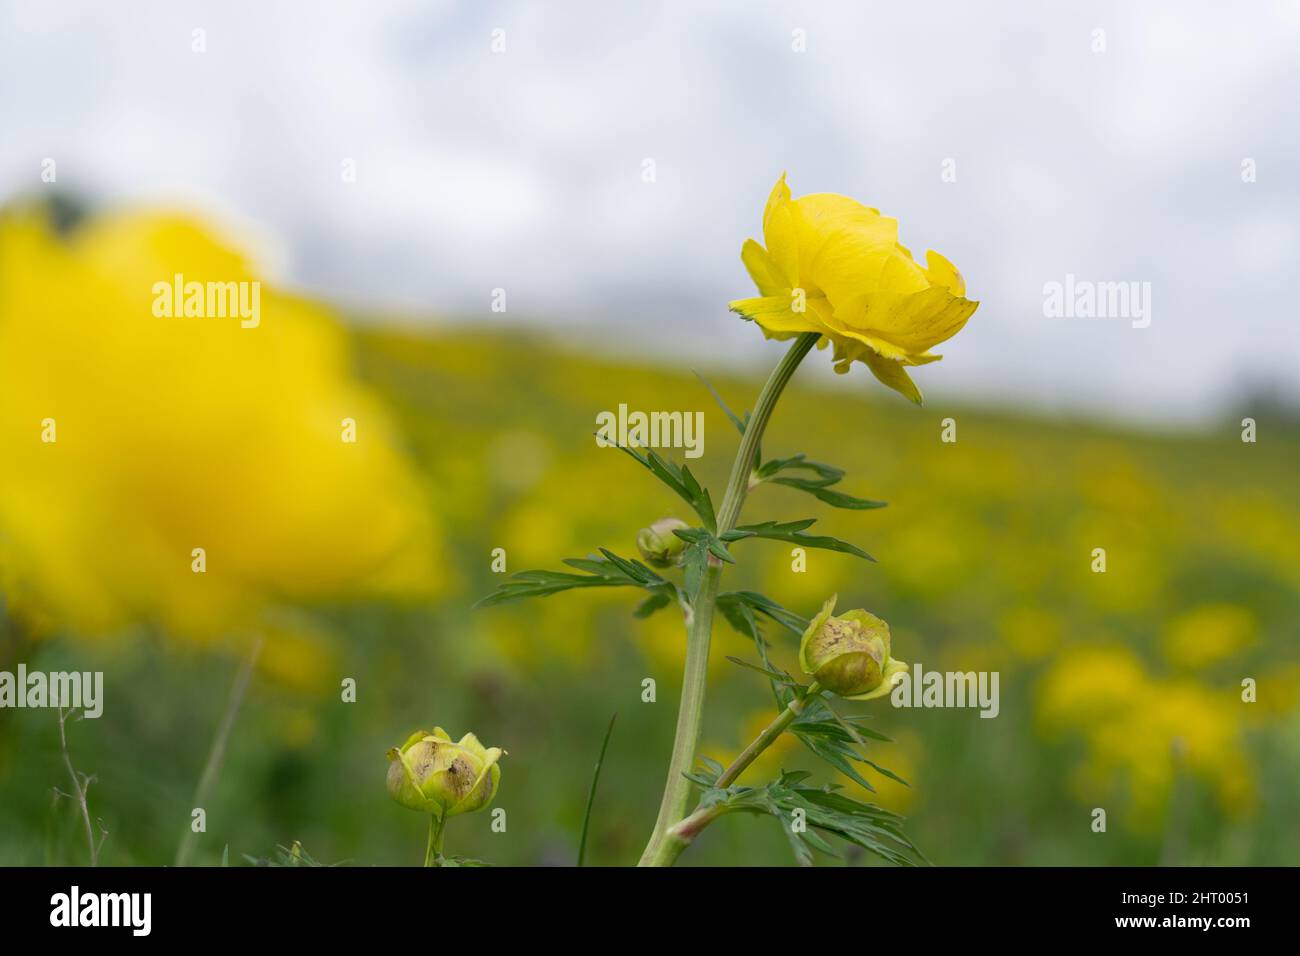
(768, 736)
(683, 834)
(433, 852)
(691, 710)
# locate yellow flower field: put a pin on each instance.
(1121, 689)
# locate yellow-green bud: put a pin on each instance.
(657, 543)
(848, 654)
(434, 774)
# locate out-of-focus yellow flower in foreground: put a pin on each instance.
(834, 266)
(131, 439)
(1143, 732)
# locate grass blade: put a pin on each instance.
(591, 797)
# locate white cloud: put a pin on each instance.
(523, 169)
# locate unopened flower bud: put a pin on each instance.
(434, 774)
(657, 543)
(848, 654)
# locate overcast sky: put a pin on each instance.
(524, 169)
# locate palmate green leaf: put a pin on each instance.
(695, 561)
(655, 602)
(779, 677)
(836, 499)
(820, 486)
(837, 754)
(530, 584)
(863, 824)
(607, 571)
(761, 604)
(680, 480)
(757, 530)
(837, 740)
(704, 781)
(701, 545)
(712, 543)
(705, 776)
(793, 531)
(712, 766)
(827, 812)
(740, 616)
(633, 570)
(827, 474)
(811, 723)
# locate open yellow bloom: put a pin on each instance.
(834, 266)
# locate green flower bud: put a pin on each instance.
(849, 654)
(434, 774)
(658, 545)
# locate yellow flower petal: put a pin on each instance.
(814, 626)
(781, 236)
(921, 321)
(893, 673)
(760, 269)
(854, 264)
(893, 374)
(776, 314)
(871, 623)
(415, 738)
(944, 273)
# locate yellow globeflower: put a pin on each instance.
(849, 654)
(189, 470)
(434, 774)
(834, 266)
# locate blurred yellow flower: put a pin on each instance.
(140, 450)
(1208, 634)
(1177, 728)
(1142, 732)
(834, 266)
(1087, 685)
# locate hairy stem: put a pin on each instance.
(691, 710)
